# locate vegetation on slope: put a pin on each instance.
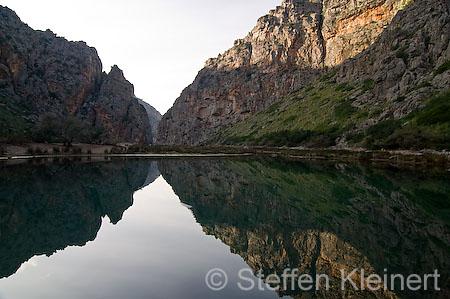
(326, 113)
(15, 125)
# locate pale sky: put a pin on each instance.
(159, 44)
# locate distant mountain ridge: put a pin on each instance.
(41, 73)
(154, 117)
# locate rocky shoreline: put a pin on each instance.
(400, 158)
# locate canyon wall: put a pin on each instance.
(290, 47)
(393, 95)
(41, 73)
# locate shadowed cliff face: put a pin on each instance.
(42, 73)
(321, 218)
(288, 48)
(154, 116)
(48, 208)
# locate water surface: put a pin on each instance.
(153, 229)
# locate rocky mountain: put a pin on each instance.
(289, 48)
(321, 217)
(393, 95)
(154, 116)
(41, 73)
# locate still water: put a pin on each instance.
(154, 229)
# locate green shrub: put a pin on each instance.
(14, 124)
(328, 76)
(377, 134)
(355, 137)
(383, 129)
(322, 140)
(67, 129)
(292, 138)
(422, 85)
(56, 150)
(344, 110)
(2, 151)
(407, 138)
(285, 138)
(437, 111)
(368, 84)
(401, 53)
(116, 150)
(400, 99)
(273, 108)
(234, 140)
(134, 149)
(427, 41)
(309, 88)
(290, 119)
(443, 68)
(376, 113)
(413, 138)
(344, 87)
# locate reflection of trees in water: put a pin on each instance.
(47, 208)
(320, 217)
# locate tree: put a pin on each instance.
(67, 129)
(71, 130)
(49, 128)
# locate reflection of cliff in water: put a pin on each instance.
(321, 218)
(47, 208)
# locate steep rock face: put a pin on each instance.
(287, 49)
(154, 116)
(403, 62)
(117, 109)
(45, 73)
(351, 26)
(400, 83)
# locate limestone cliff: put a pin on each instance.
(393, 95)
(288, 48)
(409, 61)
(42, 73)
